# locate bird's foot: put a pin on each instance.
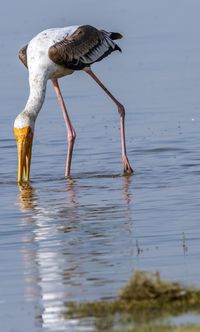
(127, 167)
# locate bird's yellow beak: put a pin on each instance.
(24, 139)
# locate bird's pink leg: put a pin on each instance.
(70, 130)
(121, 110)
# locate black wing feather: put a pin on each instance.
(84, 47)
(23, 55)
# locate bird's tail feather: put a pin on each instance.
(115, 35)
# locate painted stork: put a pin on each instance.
(52, 54)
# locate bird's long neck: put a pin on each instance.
(36, 96)
(34, 103)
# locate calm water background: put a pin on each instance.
(81, 239)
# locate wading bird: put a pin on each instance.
(52, 54)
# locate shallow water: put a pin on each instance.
(81, 239)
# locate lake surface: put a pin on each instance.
(80, 239)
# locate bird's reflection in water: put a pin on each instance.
(56, 252)
(128, 199)
(70, 189)
(27, 198)
(47, 268)
(127, 183)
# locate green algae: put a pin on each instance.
(163, 328)
(145, 294)
(146, 298)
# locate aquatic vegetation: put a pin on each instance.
(145, 298)
(145, 292)
(163, 328)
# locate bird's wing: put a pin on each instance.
(23, 55)
(84, 47)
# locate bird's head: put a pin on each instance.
(23, 131)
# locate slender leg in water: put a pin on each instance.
(71, 135)
(121, 110)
